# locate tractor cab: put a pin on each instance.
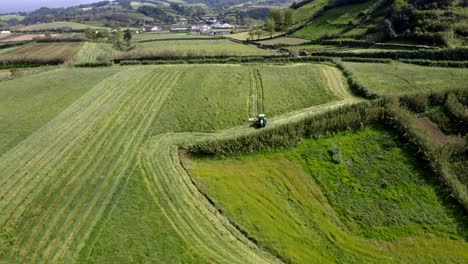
(262, 121)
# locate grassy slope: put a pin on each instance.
(403, 78)
(378, 191)
(332, 21)
(30, 102)
(13, 16)
(289, 88)
(304, 12)
(208, 47)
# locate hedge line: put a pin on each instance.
(457, 109)
(94, 64)
(171, 39)
(8, 62)
(357, 87)
(291, 134)
(455, 64)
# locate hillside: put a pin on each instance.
(428, 22)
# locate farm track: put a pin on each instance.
(76, 186)
(57, 183)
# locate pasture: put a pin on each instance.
(400, 78)
(147, 36)
(202, 47)
(332, 21)
(351, 197)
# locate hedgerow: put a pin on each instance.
(291, 134)
(458, 54)
(455, 64)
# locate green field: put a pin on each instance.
(53, 164)
(306, 11)
(367, 205)
(62, 50)
(92, 52)
(406, 78)
(166, 35)
(13, 16)
(57, 25)
(332, 21)
(203, 47)
(30, 102)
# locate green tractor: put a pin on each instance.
(262, 121)
(259, 121)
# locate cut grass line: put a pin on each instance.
(253, 108)
(259, 91)
(104, 129)
(32, 150)
(164, 89)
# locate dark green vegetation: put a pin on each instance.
(28, 103)
(329, 192)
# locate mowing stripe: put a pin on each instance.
(119, 123)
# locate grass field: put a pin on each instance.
(56, 195)
(11, 16)
(30, 102)
(166, 35)
(367, 206)
(332, 21)
(91, 52)
(204, 47)
(104, 120)
(65, 51)
(405, 78)
(306, 11)
(289, 88)
(57, 25)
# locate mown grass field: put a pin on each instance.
(406, 78)
(63, 201)
(65, 51)
(332, 21)
(203, 47)
(371, 203)
(30, 102)
(92, 52)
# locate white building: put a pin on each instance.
(155, 28)
(5, 32)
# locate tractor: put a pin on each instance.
(259, 121)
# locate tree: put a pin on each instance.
(288, 17)
(90, 33)
(276, 17)
(270, 26)
(127, 35)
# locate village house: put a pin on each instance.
(5, 32)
